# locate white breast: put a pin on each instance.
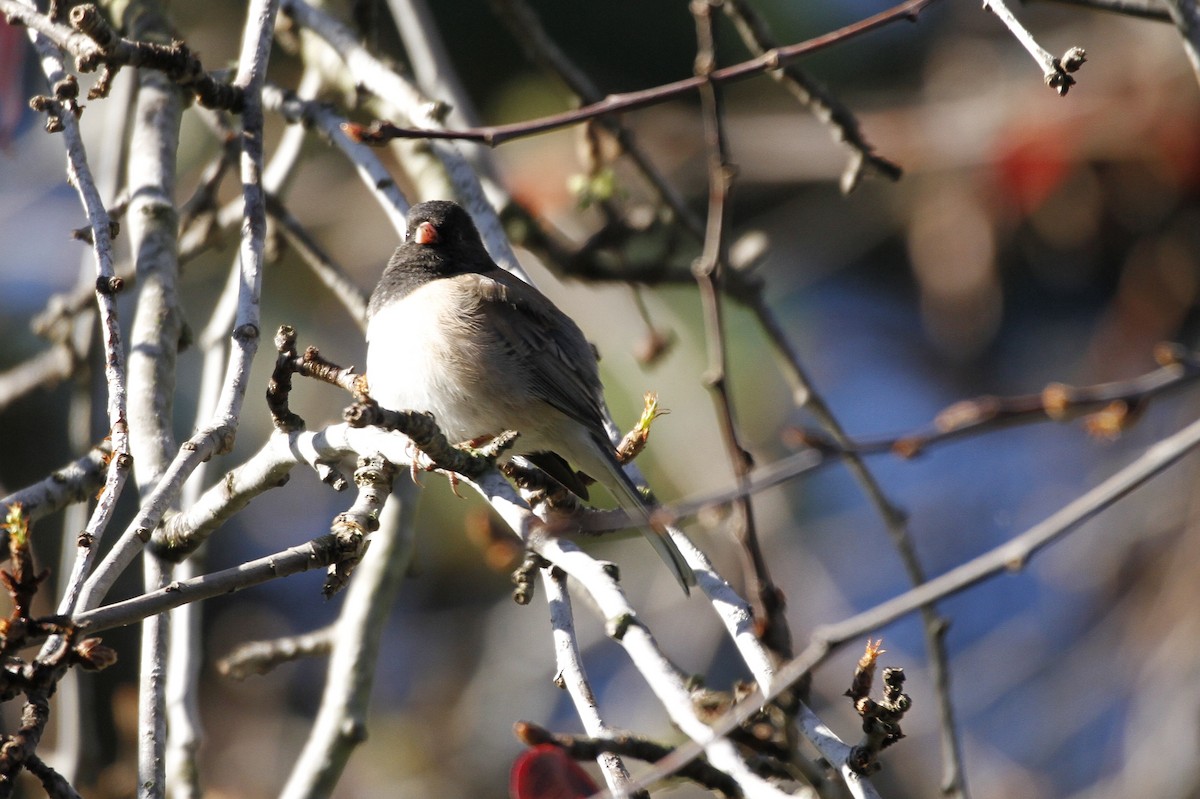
(407, 362)
(432, 352)
(426, 353)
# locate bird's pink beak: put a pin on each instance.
(425, 233)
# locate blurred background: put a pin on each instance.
(1033, 238)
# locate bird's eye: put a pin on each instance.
(425, 233)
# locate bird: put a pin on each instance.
(451, 333)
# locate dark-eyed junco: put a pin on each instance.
(452, 333)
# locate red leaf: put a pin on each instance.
(546, 772)
(13, 105)
(1032, 162)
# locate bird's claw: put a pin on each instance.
(415, 467)
(414, 458)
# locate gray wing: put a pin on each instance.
(551, 348)
(562, 370)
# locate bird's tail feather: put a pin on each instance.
(627, 495)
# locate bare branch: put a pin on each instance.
(261, 657)
(398, 92)
(709, 269)
(75, 482)
(572, 676)
(218, 437)
(495, 135)
(1057, 72)
(1014, 554)
(341, 721)
(79, 174)
(1143, 9)
(828, 109)
(315, 554)
(44, 369)
(327, 270)
(368, 166)
(153, 229)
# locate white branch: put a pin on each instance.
(80, 176)
(152, 675)
(218, 437)
(574, 678)
(341, 721)
(366, 164)
(422, 112)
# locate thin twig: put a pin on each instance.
(80, 176)
(17, 12)
(572, 677)
(367, 165)
(1057, 72)
(203, 202)
(1142, 9)
(438, 78)
(23, 744)
(62, 308)
(396, 91)
(55, 784)
(1106, 408)
(341, 720)
(261, 657)
(623, 625)
(45, 369)
(314, 554)
(527, 28)
(218, 436)
(895, 521)
(96, 45)
(75, 482)
(494, 135)
(738, 619)
(709, 269)
(756, 35)
(331, 273)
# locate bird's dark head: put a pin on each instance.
(441, 241)
(443, 230)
